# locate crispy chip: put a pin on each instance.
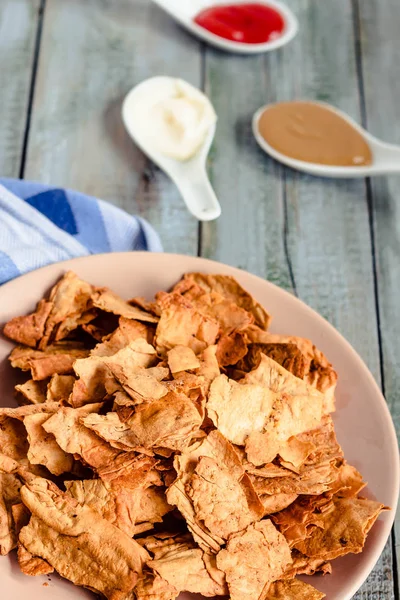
(43, 448)
(60, 388)
(167, 423)
(318, 370)
(342, 530)
(182, 325)
(182, 358)
(9, 495)
(127, 331)
(181, 563)
(111, 429)
(288, 356)
(29, 330)
(293, 589)
(29, 565)
(106, 300)
(69, 301)
(67, 534)
(32, 392)
(123, 509)
(253, 559)
(229, 288)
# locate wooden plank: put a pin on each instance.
(92, 53)
(18, 27)
(380, 45)
(324, 241)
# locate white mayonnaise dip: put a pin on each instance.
(171, 115)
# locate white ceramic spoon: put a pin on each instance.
(184, 11)
(189, 176)
(386, 157)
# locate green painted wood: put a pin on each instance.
(92, 53)
(18, 25)
(325, 238)
(380, 45)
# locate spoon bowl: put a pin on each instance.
(190, 176)
(184, 12)
(386, 157)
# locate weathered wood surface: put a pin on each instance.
(91, 54)
(380, 50)
(18, 26)
(308, 235)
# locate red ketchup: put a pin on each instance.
(245, 23)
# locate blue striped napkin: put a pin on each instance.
(41, 224)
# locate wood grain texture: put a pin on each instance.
(92, 53)
(277, 222)
(380, 47)
(18, 26)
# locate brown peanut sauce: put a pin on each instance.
(313, 133)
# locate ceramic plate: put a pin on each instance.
(363, 423)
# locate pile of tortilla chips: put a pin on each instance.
(174, 445)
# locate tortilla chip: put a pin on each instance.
(60, 388)
(69, 301)
(20, 412)
(128, 331)
(238, 410)
(289, 356)
(57, 356)
(182, 325)
(181, 563)
(123, 509)
(141, 384)
(253, 559)
(67, 535)
(43, 448)
(304, 565)
(111, 429)
(29, 329)
(222, 502)
(96, 372)
(343, 529)
(318, 370)
(106, 300)
(154, 587)
(182, 358)
(76, 439)
(293, 589)
(10, 486)
(167, 423)
(276, 502)
(32, 565)
(231, 348)
(29, 565)
(296, 451)
(229, 288)
(298, 408)
(31, 392)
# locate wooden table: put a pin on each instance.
(65, 67)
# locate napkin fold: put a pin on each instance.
(41, 224)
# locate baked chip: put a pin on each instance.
(182, 564)
(31, 392)
(293, 589)
(229, 288)
(106, 300)
(253, 559)
(67, 535)
(181, 324)
(43, 448)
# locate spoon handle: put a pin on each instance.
(199, 196)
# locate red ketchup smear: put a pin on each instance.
(246, 23)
